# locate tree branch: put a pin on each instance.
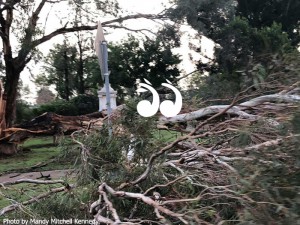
(29, 32)
(35, 199)
(33, 182)
(64, 30)
(104, 188)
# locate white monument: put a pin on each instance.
(103, 100)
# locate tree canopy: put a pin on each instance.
(129, 61)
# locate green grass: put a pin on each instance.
(166, 135)
(41, 150)
(22, 192)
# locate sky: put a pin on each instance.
(130, 7)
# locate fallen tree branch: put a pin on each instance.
(234, 110)
(104, 188)
(31, 181)
(144, 175)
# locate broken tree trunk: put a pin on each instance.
(44, 125)
(239, 110)
(5, 147)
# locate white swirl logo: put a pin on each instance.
(169, 109)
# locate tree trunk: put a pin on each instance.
(11, 88)
(80, 70)
(7, 109)
(66, 73)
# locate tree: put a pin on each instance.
(130, 60)
(151, 59)
(243, 32)
(44, 96)
(24, 18)
(261, 14)
(61, 70)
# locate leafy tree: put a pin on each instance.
(61, 70)
(24, 20)
(151, 60)
(205, 16)
(44, 96)
(129, 61)
(132, 60)
(243, 32)
(261, 14)
(242, 44)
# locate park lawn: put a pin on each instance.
(42, 150)
(23, 192)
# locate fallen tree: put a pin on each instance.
(224, 160)
(239, 110)
(47, 124)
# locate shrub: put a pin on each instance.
(85, 104)
(79, 105)
(61, 107)
(24, 111)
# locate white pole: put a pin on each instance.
(104, 52)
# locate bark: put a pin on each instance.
(45, 125)
(11, 86)
(80, 70)
(66, 74)
(238, 110)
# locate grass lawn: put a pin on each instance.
(166, 135)
(42, 150)
(23, 192)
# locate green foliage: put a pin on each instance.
(133, 59)
(272, 39)
(73, 204)
(24, 112)
(60, 70)
(108, 155)
(242, 44)
(60, 106)
(79, 105)
(85, 104)
(205, 16)
(272, 181)
(218, 87)
(129, 61)
(246, 33)
(150, 59)
(264, 13)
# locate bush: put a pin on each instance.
(85, 104)
(80, 105)
(61, 107)
(24, 111)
